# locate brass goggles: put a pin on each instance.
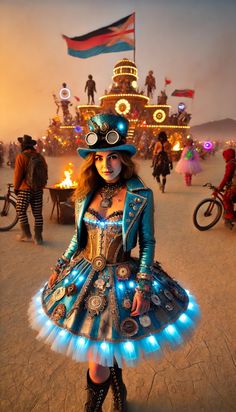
(101, 133)
(112, 137)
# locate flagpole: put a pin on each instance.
(134, 38)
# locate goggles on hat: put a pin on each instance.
(112, 137)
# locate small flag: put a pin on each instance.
(117, 37)
(184, 93)
(167, 81)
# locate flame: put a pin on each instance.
(67, 182)
(176, 147)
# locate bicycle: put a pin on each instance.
(8, 215)
(209, 211)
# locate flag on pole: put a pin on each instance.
(184, 93)
(117, 37)
(167, 81)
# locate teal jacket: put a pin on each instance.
(137, 223)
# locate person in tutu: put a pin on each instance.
(101, 305)
(189, 163)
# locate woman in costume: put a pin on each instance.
(162, 160)
(189, 163)
(100, 304)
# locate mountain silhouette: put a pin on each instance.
(219, 130)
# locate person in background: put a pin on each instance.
(229, 183)
(26, 194)
(189, 163)
(91, 88)
(162, 160)
(101, 305)
(150, 82)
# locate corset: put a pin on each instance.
(104, 237)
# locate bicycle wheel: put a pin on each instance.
(8, 216)
(207, 214)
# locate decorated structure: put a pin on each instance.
(125, 98)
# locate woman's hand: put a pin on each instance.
(52, 279)
(140, 305)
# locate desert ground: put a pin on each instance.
(199, 377)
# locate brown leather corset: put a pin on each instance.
(104, 237)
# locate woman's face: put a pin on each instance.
(108, 165)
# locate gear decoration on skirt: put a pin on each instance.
(96, 304)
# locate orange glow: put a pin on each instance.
(67, 182)
(176, 147)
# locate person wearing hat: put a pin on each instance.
(26, 195)
(162, 160)
(101, 305)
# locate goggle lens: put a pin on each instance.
(112, 137)
(91, 139)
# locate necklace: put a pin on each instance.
(107, 192)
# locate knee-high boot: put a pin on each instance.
(119, 391)
(97, 393)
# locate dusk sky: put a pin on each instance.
(192, 42)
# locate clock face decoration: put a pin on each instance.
(159, 116)
(65, 93)
(122, 106)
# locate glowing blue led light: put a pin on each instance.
(120, 286)
(74, 272)
(183, 318)
(104, 346)
(155, 283)
(81, 278)
(187, 291)
(62, 333)
(81, 341)
(152, 340)
(40, 311)
(48, 323)
(129, 346)
(38, 299)
(131, 284)
(171, 329)
(66, 281)
(41, 289)
(190, 305)
(121, 126)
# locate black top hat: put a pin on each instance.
(26, 140)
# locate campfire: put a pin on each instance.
(67, 183)
(176, 147)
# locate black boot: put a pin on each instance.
(97, 393)
(25, 235)
(119, 391)
(38, 240)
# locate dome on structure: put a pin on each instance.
(127, 68)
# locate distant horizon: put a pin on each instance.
(196, 52)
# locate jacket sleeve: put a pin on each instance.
(19, 171)
(73, 246)
(146, 235)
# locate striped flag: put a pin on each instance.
(117, 37)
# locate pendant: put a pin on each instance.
(106, 203)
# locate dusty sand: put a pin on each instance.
(200, 376)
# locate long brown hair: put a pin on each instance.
(89, 178)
